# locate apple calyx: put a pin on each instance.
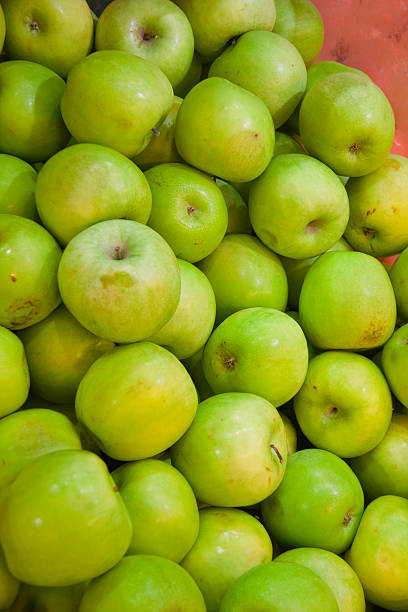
(355, 147)
(369, 232)
(274, 448)
(331, 411)
(190, 210)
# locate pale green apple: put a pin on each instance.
(394, 362)
(54, 33)
(192, 323)
(120, 280)
(188, 210)
(345, 404)
(63, 521)
(192, 77)
(31, 126)
(17, 187)
(194, 366)
(29, 259)
(238, 216)
(244, 273)
(135, 97)
(286, 144)
(379, 553)
(87, 183)
(141, 583)
(279, 587)
(225, 130)
(399, 279)
(347, 302)
(9, 586)
(291, 435)
(49, 599)
(274, 71)
(384, 470)
(336, 573)
(14, 373)
(156, 31)
(234, 453)
(319, 503)
(162, 148)
(347, 122)
(298, 207)
(154, 397)
(229, 543)
(378, 222)
(300, 22)
(257, 350)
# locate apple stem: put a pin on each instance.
(278, 453)
(155, 131)
(233, 41)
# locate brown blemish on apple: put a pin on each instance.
(347, 519)
(273, 447)
(115, 489)
(13, 277)
(368, 232)
(374, 332)
(370, 212)
(394, 210)
(314, 387)
(23, 311)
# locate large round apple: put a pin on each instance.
(14, 374)
(120, 279)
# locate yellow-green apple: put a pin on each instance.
(347, 122)
(192, 323)
(87, 183)
(216, 22)
(194, 366)
(2, 28)
(379, 552)
(298, 207)
(153, 396)
(347, 302)
(286, 144)
(17, 187)
(399, 279)
(161, 506)
(54, 33)
(229, 543)
(257, 350)
(378, 222)
(279, 587)
(384, 470)
(345, 404)
(336, 573)
(191, 78)
(143, 582)
(135, 98)
(63, 520)
(244, 273)
(120, 280)
(188, 210)
(319, 502)
(238, 216)
(274, 71)
(234, 453)
(291, 435)
(14, 373)
(225, 130)
(29, 259)
(157, 31)
(300, 22)
(59, 351)
(31, 126)
(49, 599)
(9, 585)
(394, 362)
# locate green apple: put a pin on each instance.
(2, 28)
(347, 302)
(298, 207)
(274, 71)
(286, 144)
(311, 350)
(234, 453)
(225, 130)
(384, 470)
(59, 351)
(29, 259)
(54, 33)
(161, 506)
(399, 279)
(300, 22)
(154, 397)
(194, 366)
(394, 360)
(238, 216)
(244, 273)
(319, 503)
(88, 183)
(63, 521)
(49, 599)
(120, 280)
(279, 587)
(216, 22)
(188, 210)
(378, 222)
(191, 78)
(135, 98)
(229, 543)
(347, 122)
(17, 187)
(162, 147)
(257, 350)
(336, 573)
(31, 126)
(379, 552)
(9, 586)
(345, 404)
(291, 435)
(14, 373)
(192, 323)
(143, 582)
(156, 31)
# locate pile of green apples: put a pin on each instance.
(203, 358)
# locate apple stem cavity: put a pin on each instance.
(144, 36)
(118, 253)
(347, 519)
(332, 411)
(273, 447)
(34, 26)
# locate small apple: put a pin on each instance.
(9, 586)
(14, 374)
(194, 366)
(191, 78)
(394, 360)
(238, 216)
(300, 22)
(286, 144)
(49, 599)
(291, 435)
(17, 187)
(399, 279)
(2, 28)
